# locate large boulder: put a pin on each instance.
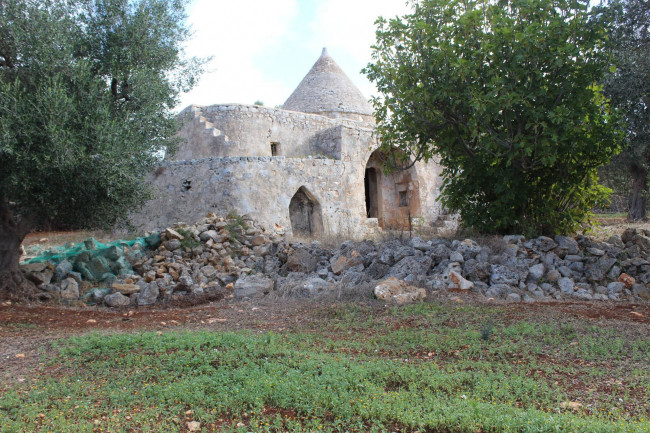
(148, 295)
(301, 260)
(536, 272)
(117, 300)
(38, 273)
(503, 275)
(69, 289)
(126, 289)
(456, 281)
(253, 286)
(304, 287)
(343, 263)
(567, 245)
(412, 265)
(393, 290)
(63, 269)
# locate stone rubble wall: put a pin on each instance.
(233, 256)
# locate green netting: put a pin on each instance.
(97, 261)
(92, 246)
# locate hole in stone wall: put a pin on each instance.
(275, 149)
(187, 184)
(305, 214)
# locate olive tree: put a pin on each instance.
(87, 89)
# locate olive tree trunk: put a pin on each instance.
(639, 196)
(13, 283)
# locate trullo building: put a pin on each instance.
(310, 167)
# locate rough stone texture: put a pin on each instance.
(567, 244)
(148, 295)
(300, 260)
(393, 290)
(327, 90)
(513, 297)
(411, 266)
(456, 281)
(62, 270)
(69, 289)
(126, 289)
(117, 300)
(566, 285)
(226, 263)
(344, 263)
(503, 275)
(38, 273)
(253, 286)
(536, 272)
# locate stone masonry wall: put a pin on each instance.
(249, 130)
(262, 187)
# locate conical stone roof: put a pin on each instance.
(326, 90)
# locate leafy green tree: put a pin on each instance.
(87, 89)
(503, 93)
(628, 87)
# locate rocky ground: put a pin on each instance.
(233, 257)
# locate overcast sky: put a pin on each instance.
(262, 48)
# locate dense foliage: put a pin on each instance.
(86, 93)
(628, 86)
(504, 94)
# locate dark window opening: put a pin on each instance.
(275, 149)
(403, 199)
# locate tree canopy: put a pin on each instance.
(504, 94)
(628, 87)
(87, 89)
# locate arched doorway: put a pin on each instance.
(391, 198)
(305, 214)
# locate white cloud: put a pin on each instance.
(234, 32)
(253, 42)
(347, 28)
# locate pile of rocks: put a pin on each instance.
(65, 272)
(209, 258)
(234, 257)
(508, 268)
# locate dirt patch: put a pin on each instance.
(26, 331)
(614, 225)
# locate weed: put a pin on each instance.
(189, 241)
(236, 226)
(486, 330)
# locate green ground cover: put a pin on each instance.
(425, 368)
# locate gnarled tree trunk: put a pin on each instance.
(639, 194)
(13, 283)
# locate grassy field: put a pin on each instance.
(420, 368)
